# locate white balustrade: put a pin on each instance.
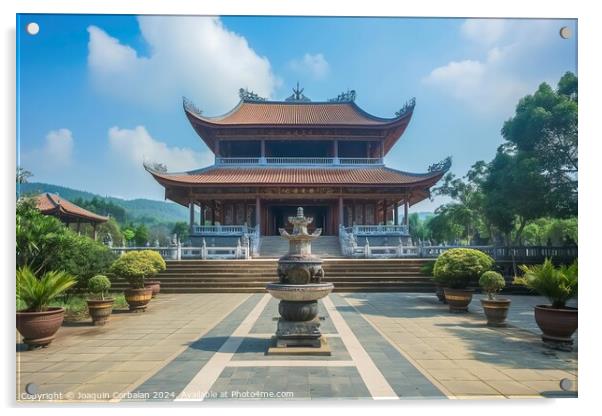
(309, 161)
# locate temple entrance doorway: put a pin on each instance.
(278, 217)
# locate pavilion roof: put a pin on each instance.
(267, 176)
(286, 113)
(52, 204)
(288, 117)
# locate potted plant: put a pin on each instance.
(100, 307)
(38, 322)
(557, 321)
(159, 265)
(135, 267)
(455, 269)
(496, 309)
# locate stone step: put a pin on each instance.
(266, 279)
(358, 271)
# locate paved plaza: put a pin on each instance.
(384, 346)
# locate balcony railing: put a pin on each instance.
(221, 230)
(367, 230)
(283, 161)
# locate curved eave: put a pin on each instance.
(206, 127)
(62, 213)
(169, 179)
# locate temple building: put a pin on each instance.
(274, 156)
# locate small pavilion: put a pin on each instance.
(67, 211)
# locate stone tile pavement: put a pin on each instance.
(113, 358)
(463, 356)
(405, 344)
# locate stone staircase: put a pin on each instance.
(348, 275)
(326, 246)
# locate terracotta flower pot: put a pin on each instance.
(496, 311)
(39, 328)
(100, 310)
(458, 299)
(155, 285)
(557, 325)
(138, 299)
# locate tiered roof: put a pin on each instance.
(299, 113)
(267, 176)
(52, 204)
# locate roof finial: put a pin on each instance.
(298, 94)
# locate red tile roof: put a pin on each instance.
(296, 176)
(297, 113)
(51, 204)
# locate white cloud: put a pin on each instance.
(136, 145)
(485, 31)
(189, 55)
(59, 147)
(315, 66)
(500, 76)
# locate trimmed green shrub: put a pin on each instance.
(99, 285)
(134, 266)
(36, 294)
(457, 267)
(492, 283)
(558, 284)
(155, 259)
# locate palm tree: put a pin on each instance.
(23, 175)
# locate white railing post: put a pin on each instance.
(203, 249)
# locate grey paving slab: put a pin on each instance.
(404, 378)
(289, 383)
(174, 376)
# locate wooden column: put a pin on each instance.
(382, 150)
(341, 212)
(263, 151)
(384, 212)
(258, 213)
(216, 150)
(94, 231)
(335, 149)
(191, 214)
(213, 213)
(406, 206)
(201, 214)
(396, 213)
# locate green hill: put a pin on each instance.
(138, 210)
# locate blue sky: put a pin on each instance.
(98, 94)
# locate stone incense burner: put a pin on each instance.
(299, 288)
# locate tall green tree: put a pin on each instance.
(23, 175)
(544, 129)
(181, 229)
(466, 211)
(141, 235)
